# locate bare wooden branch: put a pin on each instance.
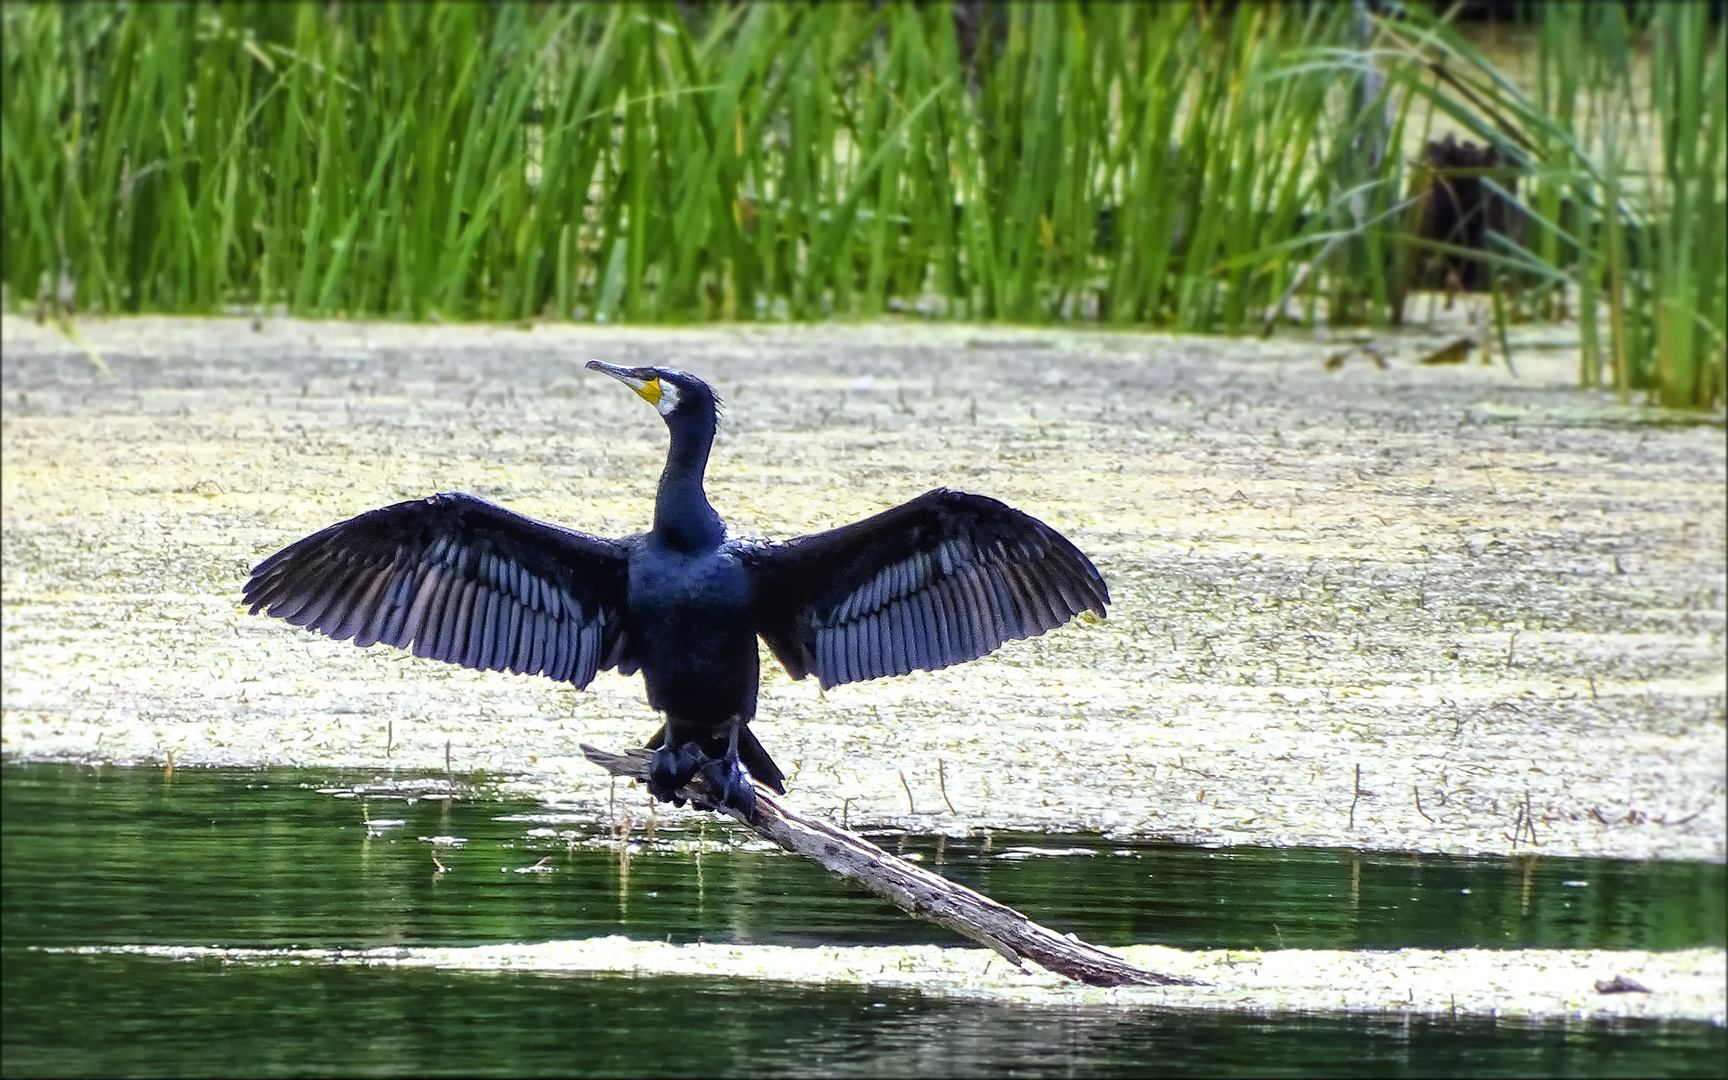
(912, 888)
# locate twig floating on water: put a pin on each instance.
(1357, 795)
(1414, 790)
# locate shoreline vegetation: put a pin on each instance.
(1149, 166)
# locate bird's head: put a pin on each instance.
(678, 395)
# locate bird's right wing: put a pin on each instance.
(936, 581)
(458, 579)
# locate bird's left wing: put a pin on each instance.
(942, 579)
(457, 579)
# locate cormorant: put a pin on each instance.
(944, 578)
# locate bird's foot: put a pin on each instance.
(732, 784)
(671, 768)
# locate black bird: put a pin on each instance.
(944, 578)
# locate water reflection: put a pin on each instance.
(266, 859)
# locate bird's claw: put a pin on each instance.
(732, 784)
(671, 768)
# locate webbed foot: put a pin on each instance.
(671, 768)
(732, 784)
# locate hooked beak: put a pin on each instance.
(642, 380)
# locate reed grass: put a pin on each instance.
(1624, 201)
(1170, 165)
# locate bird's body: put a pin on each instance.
(693, 615)
(944, 578)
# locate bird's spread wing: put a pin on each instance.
(936, 581)
(460, 579)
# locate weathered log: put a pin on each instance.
(910, 887)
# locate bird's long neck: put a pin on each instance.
(683, 520)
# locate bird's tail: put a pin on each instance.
(756, 759)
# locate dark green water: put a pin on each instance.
(267, 859)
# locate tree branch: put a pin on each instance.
(910, 887)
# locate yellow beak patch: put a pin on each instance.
(650, 391)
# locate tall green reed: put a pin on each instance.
(1624, 202)
(1171, 165)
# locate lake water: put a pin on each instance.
(99, 857)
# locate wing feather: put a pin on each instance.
(852, 666)
(946, 647)
(425, 588)
(458, 579)
(476, 625)
(515, 638)
(928, 650)
(365, 609)
(544, 639)
(942, 579)
(464, 628)
(1037, 613)
(902, 625)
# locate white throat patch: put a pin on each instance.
(668, 398)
